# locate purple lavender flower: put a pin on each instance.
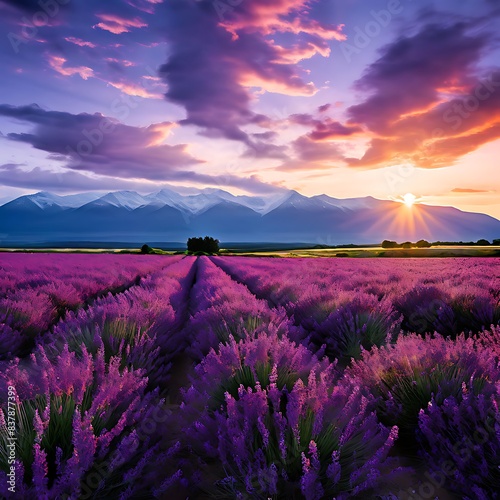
(407, 375)
(308, 415)
(460, 441)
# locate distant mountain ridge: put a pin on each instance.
(169, 215)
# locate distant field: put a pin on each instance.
(441, 251)
(359, 252)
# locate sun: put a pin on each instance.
(409, 199)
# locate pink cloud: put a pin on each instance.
(469, 190)
(135, 90)
(121, 62)
(147, 6)
(80, 42)
(118, 25)
(57, 63)
(284, 16)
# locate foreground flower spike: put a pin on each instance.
(72, 417)
(463, 434)
(279, 423)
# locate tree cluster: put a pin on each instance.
(204, 245)
(406, 244)
(426, 244)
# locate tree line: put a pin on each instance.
(426, 244)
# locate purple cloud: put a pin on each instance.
(95, 144)
(15, 175)
(429, 104)
(413, 71)
(210, 75)
(99, 144)
(325, 128)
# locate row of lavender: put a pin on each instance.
(441, 393)
(90, 399)
(37, 289)
(356, 304)
(264, 415)
(93, 419)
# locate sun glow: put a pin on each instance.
(409, 199)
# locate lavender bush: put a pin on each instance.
(468, 314)
(420, 308)
(32, 300)
(264, 418)
(406, 376)
(460, 439)
(74, 416)
(133, 325)
(357, 326)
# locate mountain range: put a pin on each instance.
(169, 215)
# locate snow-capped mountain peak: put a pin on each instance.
(126, 199)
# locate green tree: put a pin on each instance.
(205, 245)
(390, 244)
(482, 242)
(423, 244)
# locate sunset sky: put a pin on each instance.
(343, 97)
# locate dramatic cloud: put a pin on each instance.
(210, 75)
(101, 145)
(427, 104)
(414, 72)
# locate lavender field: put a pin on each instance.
(137, 377)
